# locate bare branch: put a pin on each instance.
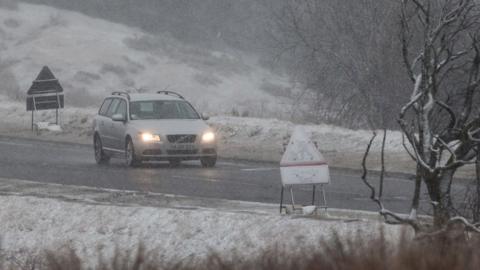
(406, 148)
(383, 212)
(401, 220)
(453, 118)
(421, 7)
(472, 133)
(470, 227)
(365, 171)
(416, 95)
(382, 171)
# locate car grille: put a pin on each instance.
(182, 152)
(181, 138)
(209, 151)
(152, 152)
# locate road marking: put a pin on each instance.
(232, 164)
(348, 177)
(16, 144)
(214, 180)
(259, 169)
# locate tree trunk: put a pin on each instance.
(440, 211)
(441, 215)
(438, 186)
(476, 212)
(416, 194)
(446, 205)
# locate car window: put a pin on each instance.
(113, 107)
(162, 109)
(104, 108)
(122, 108)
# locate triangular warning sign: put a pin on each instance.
(302, 162)
(301, 150)
(45, 74)
(45, 83)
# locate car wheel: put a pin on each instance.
(130, 157)
(100, 156)
(174, 162)
(208, 162)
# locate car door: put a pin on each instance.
(109, 141)
(101, 120)
(118, 128)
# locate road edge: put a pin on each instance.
(126, 198)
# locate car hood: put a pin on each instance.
(167, 127)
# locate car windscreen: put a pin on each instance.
(162, 109)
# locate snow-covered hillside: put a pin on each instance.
(93, 57)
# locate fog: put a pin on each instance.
(216, 23)
(343, 59)
(384, 91)
(267, 28)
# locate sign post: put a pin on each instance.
(303, 164)
(46, 93)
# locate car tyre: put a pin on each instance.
(100, 157)
(130, 158)
(208, 162)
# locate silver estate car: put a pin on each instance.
(162, 126)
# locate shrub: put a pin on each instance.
(144, 43)
(9, 85)
(276, 90)
(9, 4)
(207, 79)
(57, 20)
(235, 112)
(448, 251)
(133, 66)
(86, 77)
(11, 22)
(79, 97)
(115, 69)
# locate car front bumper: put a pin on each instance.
(168, 151)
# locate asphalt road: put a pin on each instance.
(74, 164)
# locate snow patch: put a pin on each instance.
(42, 126)
(31, 224)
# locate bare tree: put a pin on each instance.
(476, 207)
(441, 51)
(346, 54)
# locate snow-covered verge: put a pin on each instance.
(35, 221)
(264, 139)
(92, 57)
(239, 138)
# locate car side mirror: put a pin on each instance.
(119, 117)
(205, 116)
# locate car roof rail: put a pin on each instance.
(119, 93)
(171, 93)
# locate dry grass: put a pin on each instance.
(451, 251)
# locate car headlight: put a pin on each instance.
(208, 137)
(149, 137)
